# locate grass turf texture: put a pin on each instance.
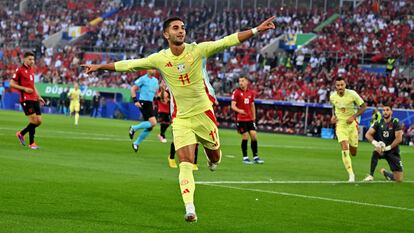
(86, 178)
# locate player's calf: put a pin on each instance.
(213, 158)
(353, 150)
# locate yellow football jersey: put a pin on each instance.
(74, 95)
(345, 106)
(185, 75)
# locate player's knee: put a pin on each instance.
(213, 155)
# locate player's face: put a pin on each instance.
(387, 112)
(29, 61)
(151, 73)
(76, 85)
(243, 83)
(175, 33)
(340, 87)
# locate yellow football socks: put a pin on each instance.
(346, 159)
(76, 118)
(187, 184)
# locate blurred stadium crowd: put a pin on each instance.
(358, 36)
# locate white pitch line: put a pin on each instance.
(315, 197)
(295, 182)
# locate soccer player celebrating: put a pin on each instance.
(74, 96)
(242, 102)
(148, 86)
(183, 66)
(385, 135)
(344, 116)
(23, 80)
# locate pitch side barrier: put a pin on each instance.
(311, 119)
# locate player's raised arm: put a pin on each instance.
(95, 67)
(122, 66)
(264, 26)
(211, 47)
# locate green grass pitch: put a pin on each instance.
(88, 179)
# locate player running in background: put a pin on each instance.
(23, 80)
(385, 135)
(183, 66)
(74, 96)
(344, 102)
(242, 102)
(163, 106)
(148, 86)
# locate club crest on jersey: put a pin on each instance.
(181, 68)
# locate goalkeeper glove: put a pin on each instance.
(377, 146)
(387, 148)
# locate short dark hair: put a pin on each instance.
(27, 54)
(168, 21)
(339, 79)
(245, 77)
(387, 105)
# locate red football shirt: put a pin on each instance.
(164, 107)
(244, 100)
(24, 76)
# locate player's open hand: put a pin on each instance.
(28, 90)
(266, 25)
(138, 105)
(350, 119)
(89, 68)
(42, 101)
(333, 119)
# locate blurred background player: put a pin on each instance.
(376, 117)
(96, 104)
(171, 157)
(74, 96)
(163, 108)
(147, 86)
(63, 102)
(242, 102)
(181, 66)
(344, 116)
(385, 135)
(30, 99)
